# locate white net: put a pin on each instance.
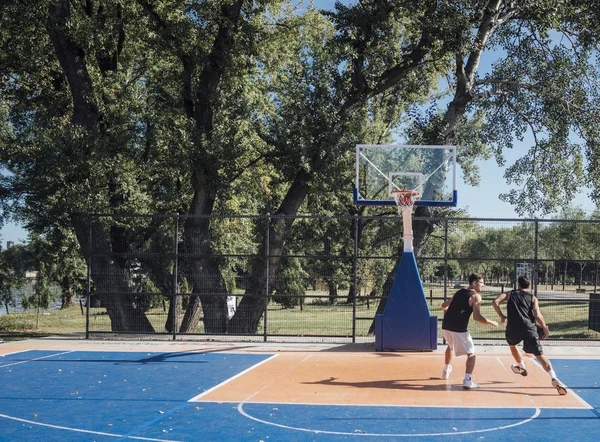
(405, 198)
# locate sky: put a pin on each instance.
(484, 202)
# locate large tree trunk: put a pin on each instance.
(332, 287)
(111, 281)
(72, 60)
(252, 305)
(68, 295)
(172, 319)
(209, 293)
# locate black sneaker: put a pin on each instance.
(517, 369)
(560, 387)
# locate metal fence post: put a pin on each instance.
(535, 259)
(267, 257)
(355, 278)
(89, 281)
(445, 259)
(596, 277)
(175, 282)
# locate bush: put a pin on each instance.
(14, 322)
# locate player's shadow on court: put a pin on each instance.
(498, 388)
(188, 357)
(419, 384)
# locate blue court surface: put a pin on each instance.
(108, 396)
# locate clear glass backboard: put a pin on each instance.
(383, 168)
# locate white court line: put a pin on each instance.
(278, 377)
(342, 433)
(79, 430)
(569, 389)
(520, 386)
(14, 352)
(231, 379)
(467, 407)
(76, 430)
(579, 399)
(240, 409)
(37, 359)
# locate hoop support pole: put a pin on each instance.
(407, 235)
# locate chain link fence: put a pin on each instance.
(324, 278)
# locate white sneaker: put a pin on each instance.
(560, 387)
(446, 373)
(470, 385)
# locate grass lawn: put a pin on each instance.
(566, 319)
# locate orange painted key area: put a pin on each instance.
(392, 379)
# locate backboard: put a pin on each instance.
(382, 168)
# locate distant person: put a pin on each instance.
(454, 327)
(522, 314)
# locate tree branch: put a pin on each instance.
(393, 75)
(509, 83)
(491, 20)
(72, 60)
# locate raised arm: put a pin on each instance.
(496, 304)
(539, 319)
(475, 302)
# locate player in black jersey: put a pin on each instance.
(454, 327)
(522, 314)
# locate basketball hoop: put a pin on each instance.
(405, 200)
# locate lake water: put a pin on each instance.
(29, 290)
(19, 309)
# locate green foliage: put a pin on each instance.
(13, 264)
(453, 270)
(151, 297)
(42, 295)
(25, 302)
(180, 107)
(291, 283)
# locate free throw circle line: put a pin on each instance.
(240, 408)
(79, 430)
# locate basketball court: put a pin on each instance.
(55, 389)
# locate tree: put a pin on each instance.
(487, 111)
(162, 107)
(378, 49)
(64, 266)
(13, 263)
(128, 120)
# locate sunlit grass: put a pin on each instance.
(566, 319)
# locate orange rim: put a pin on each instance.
(405, 197)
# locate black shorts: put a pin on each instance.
(530, 339)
